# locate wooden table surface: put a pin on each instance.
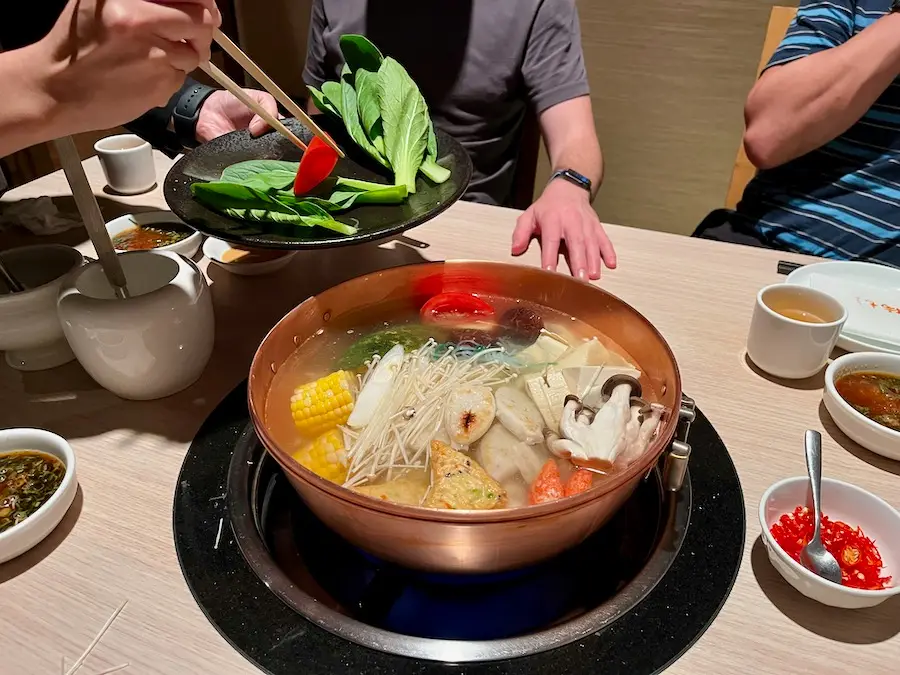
(116, 541)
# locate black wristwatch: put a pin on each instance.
(573, 177)
(187, 112)
(895, 7)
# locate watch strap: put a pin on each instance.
(573, 177)
(187, 112)
(895, 7)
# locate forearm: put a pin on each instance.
(571, 140)
(29, 114)
(802, 105)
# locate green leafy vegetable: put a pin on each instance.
(261, 174)
(350, 112)
(360, 53)
(248, 203)
(405, 120)
(390, 120)
(370, 107)
(323, 103)
(332, 93)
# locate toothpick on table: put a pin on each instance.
(93, 644)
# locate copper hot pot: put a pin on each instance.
(470, 541)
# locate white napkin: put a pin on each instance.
(39, 216)
(873, 313)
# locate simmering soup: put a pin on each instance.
(473, 402)
(875, 395)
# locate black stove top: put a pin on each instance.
(294, 555)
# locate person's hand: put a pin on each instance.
(563, 214)
(222, 113)
(109, 61)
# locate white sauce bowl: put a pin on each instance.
(216, 249)
(840, 501)
(31, 531)
(868, 433)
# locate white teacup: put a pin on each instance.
(127, 162)
(153, 344)
(793, 330)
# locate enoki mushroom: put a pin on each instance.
(399, 435)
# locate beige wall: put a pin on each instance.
(668, 79)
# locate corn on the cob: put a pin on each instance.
(325, 456)
(323, 404)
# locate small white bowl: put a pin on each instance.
(27, 534)
(30, 332)
(215, 250)
(186, 247)
(840, 501)
(868, 433)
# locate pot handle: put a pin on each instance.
(676, 463)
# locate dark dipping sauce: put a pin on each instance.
(145, 237)
(28, 478)
(875, 395)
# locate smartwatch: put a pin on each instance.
(575, 177)
(187, 112)
(895, 7)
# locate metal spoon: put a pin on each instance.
(15, 286)
(814, 556)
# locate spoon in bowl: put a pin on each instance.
(814, 556)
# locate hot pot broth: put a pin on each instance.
(464, 407)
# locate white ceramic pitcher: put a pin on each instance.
(155, 343)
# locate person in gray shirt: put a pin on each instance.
(479, 65)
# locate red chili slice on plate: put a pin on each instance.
(451, 308)
(316, 165)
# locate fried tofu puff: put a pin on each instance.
(459, 482)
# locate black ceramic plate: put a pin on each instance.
(207, 162)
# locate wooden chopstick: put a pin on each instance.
(269, 85)
(93, 219)
(220, 77)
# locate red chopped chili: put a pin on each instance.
(857, 555)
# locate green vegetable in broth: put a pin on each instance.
(379, 342)
(28, 478)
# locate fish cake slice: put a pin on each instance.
(459, 482)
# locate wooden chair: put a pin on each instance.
(744, 171)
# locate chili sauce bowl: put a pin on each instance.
(187, 247)
(842, 501)
(244, 261)
(19, 538)
(868, 433)
(30, 332)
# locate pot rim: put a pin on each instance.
(651, 455)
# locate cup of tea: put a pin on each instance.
(793, 330)
(127, 162)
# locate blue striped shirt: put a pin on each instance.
(841, 200)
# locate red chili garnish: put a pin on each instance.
(456, 308)
(857, 555)
(316, 165)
